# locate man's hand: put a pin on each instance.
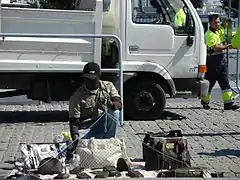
(230, 46)
(75, 141)
(109, 103)
(115, 103)
(220, 48)
(74, 127)
(226, 22)
(75, 137)
(72, 148)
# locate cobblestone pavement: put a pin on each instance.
(213, 135)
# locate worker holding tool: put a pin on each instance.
(97, 102)
(222, 30)
(217, 65)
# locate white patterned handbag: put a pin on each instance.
(34, 153)
(97, 153)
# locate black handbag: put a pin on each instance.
(50, 166)
(165, 151)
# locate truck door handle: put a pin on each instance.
(133, 48)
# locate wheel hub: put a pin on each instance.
(144, 101)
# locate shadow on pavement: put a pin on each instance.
(200, 108)
(8, 165)
(223, 152)
(171, 116)
(33, 116)
(212, 134)
(58, 116)
(7, 168)
(166, 115)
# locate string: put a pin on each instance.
(115, 120)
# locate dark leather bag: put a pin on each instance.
(165, 151)
(50, 166)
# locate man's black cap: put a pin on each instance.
(91, 70)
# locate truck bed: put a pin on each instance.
(49, 54)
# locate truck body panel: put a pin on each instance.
(156, 52)
(45, 21)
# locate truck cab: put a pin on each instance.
(156, 51)
(159, 59)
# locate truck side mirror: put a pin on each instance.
(189, 28)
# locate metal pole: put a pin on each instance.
(120, 70)
(227, 37)
(238, 58)
(0, 15)
(229, 7)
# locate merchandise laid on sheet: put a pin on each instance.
(164, 155)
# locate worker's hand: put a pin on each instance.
(114, 103)
(72, 148)
(75, 137)
(229, 19)
(226, 22)
(117, 104)
(230, 46)
(109, 103)
(75, 140)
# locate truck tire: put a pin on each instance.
(143, 100)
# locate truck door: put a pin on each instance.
(156, 32)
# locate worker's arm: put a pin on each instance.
(74, 127)
(115, 99)
(74, 116)
(218, 48)
(214, 44)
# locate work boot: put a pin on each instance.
(230, 106)
(205, 105)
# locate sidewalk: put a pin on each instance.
(213, 135)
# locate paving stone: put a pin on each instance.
(213, 135)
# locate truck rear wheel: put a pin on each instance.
(143, 100)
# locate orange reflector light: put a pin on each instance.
(202, 69)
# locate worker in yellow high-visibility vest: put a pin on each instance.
(217, 65)
(180, 18)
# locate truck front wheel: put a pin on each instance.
(143, 100)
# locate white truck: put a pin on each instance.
(159, 60)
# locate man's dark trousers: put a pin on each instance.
(217, 70)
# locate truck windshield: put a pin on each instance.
(168, 12)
